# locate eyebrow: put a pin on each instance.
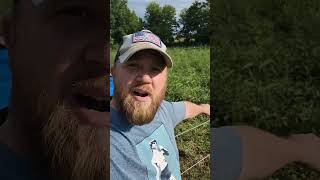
(49, 6)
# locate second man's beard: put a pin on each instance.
(73, 151)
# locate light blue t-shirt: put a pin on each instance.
(148, 151)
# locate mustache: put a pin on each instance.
(99, 84)
(99, 87)
(95, 83)
(142, 87)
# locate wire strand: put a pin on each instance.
(195, 164)
(192, 128)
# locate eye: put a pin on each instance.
(156, 70)
(132, 66)
(74, 11)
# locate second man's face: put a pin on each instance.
(57, 54)
(59, 62)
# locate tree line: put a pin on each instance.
(190, 27)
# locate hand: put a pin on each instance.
(205, 109)
(308, 146)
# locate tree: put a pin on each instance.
(195, 23)
(161, 21)
(122, 20)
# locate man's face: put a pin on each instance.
(60, 62)
(56, 46)
(140, 85)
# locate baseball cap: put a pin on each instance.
(142, 40)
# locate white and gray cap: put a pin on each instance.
(142, 40)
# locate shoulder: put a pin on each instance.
(171, 106)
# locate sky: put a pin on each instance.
(139, 6)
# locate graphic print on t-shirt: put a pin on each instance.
(159, 156)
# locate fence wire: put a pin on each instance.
(195, 164)
(192, 128)
(184, 132)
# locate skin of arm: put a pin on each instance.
(193, 110)
(264, 153)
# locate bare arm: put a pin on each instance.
(193, 110)
(264, 153)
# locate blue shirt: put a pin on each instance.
(111, 85)
(148, 151)
(15, 167)
(5, 79)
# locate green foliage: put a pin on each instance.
(122, 20)
(195, 23)
(161, 21)
(266, 69)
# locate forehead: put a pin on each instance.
(96, 9)
(57, 3)
(153, 55)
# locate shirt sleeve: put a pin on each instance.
(177, 111)
(226, 150)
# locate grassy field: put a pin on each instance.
(266, 69)
(189, 80)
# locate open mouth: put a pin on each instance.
(91, 103)
(140, 93)
(91, 95)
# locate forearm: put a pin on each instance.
(264, 153)
(193, 110)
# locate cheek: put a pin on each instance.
(160, 84)
(121, 82)
(124, 78)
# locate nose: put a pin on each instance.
(97, 45)
(144, 77)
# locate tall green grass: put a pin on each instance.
(189, 79)
(266, 68)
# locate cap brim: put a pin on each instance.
(143, 46)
